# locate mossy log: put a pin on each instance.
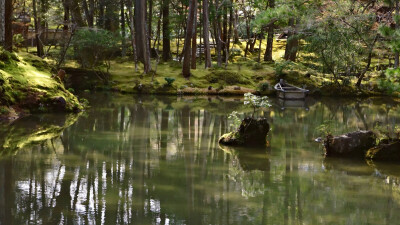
(252, 132)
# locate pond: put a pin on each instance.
(156, 160)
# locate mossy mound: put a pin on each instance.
(25, 87)
(385, 151)
(251, 132)
(228, 77)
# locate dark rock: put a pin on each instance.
(59, 103)
(385, 152)
(351, 145)
(252, 132)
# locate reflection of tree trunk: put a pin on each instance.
(164, 134)
(7, 194)
(360, 115)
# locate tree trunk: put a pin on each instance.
(131, 28)
(188, 39)
(123, 33)
(2, 22)
(194, 38)
(143, 51)
(39, 45)
(166, 31)
(270, 39)
(397, 54)
(76, 13)
(292, 42)
(8, 36)
(206, 35)
(150, 18)
(370, 54)
(88, 15)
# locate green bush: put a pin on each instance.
(390, 84)
(93, 47)
(263, 86)
(169, 80)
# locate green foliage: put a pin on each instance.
(280, 66)
(236, 120)
(3, 110)
(263, 86)
(391, 82)
(326, 128)
(93, 47)
(169, 81)
(256, 102)
(18, 40)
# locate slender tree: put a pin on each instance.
(8, 37)
(2, 22)
(206, 34)
(166, 31)
(143, 50)
(187, 51)
(270, 38)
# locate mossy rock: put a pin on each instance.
(228, 77)
(252, 132)
(386, 151)
(354, 144)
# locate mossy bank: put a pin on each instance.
(27, 86)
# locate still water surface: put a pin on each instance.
(153, 160)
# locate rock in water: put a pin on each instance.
(351, 145)
(252, 132)
(385, 152)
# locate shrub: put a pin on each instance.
(93, 47)
(263, 86)
(169, 81)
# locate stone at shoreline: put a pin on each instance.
(252, 132)
(353, 144)
(385, 152)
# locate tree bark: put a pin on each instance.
(2, 22)
(123, 33)
(206, 35)
(76, 13)
(194, 38)
(143, 51)
(397, 54)
(132, 31)
(39, 45)
(270, 38)
(188, 39)
(8, 36)
(292, 42)
(166, 31)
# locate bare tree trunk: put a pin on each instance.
(166, 31)
(8, 36)
(39, 45)
(194, 38)
(270, 39)
(150, 18)
(88, 15)
(131, 28)
(188, 39)
(292, 42)
(206, 35)
(370, 54)
(2, 22)
(76, 13)
(397, 54)
(143, 50)
(123, 33)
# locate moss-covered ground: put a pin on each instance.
(27, 86)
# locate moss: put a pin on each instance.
(227, 77)
(30, 87)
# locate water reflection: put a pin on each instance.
(147, 160)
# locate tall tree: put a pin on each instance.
(142, 45)
(187, 51)
(292, 43)
(39, 46)
(8, 36)
(123, 32)
(166, 31)
(206, 34)
(270, 38)
(397, 13)
(2, 22)
(194, 39)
